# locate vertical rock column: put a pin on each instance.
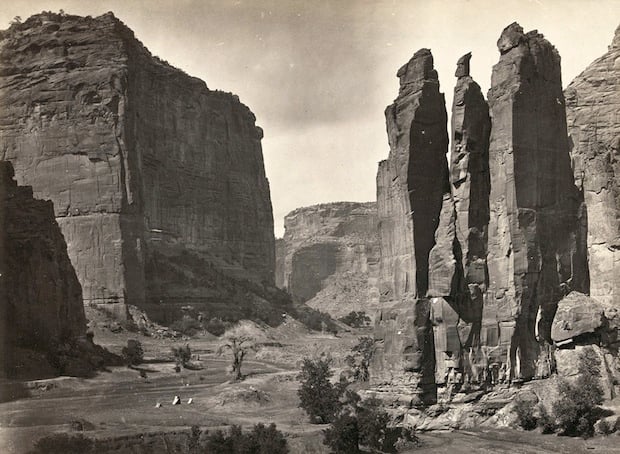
(533, 255)
(458, 277)
(411, 184)
(592, 106)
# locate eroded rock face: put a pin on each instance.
(329, 257)
(535, 253)
(151, 173)
(592, 104)
(411, 185)
(40, 296)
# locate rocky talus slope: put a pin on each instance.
(476, 263)
(157, 181)
(592, 106)
(329, 257)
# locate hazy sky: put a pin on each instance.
(319, 74)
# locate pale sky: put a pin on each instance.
(319, 74)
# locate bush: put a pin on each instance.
(182, 355)
(359, 360)
(364, 423)
(525, 414)
(343, 435)
(187, 325)
(215, 326)
(356, 319)
(133, 353)
(260, 440)
(577, 410)
(317, 395)
(317, 320)
(62, 444)
(545, 421)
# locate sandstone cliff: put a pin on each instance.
(154, 177)
(329, 257)
(592, 104)
(472, 285)
(535, 251)
(40, 296)
(411, 185)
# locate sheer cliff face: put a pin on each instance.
(329, 257)
(592, 105)
(411, 185)
(143, 162)
(412, 181)
(535, 254)
(40, 296)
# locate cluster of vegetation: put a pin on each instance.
(262, 439)
(62, 444)
(356, 319)
(316, 320)
(577, 407)
(353, 422)
(133, 353)
(359, 359)
(182, 356)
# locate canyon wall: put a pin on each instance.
(592, 106)
(40, 296)
(158, 182)
(329, 257)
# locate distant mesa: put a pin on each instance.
(328, 257)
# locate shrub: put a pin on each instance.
(577, 409)
(187, 325)
(356, 319)
(62, 444)
(215, 326)
(260, 440)
(359, 360)
(545, 421)
(317, 395)
(343, 435)
(133, 353)
(317, 320)
(525, 414)
(364, 423)
(182, 355)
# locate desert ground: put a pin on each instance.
(120, 402)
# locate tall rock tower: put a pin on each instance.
(411, 185)
(535, 253)
(158, 182)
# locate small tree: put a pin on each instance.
(317, 395)
(133, 353)
(239, 346)
(359, 360)
(577, 410)
(182, 355)
(342, 436)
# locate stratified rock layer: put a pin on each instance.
(592, 106)
(329, 257)
(535, 253)
(40, 296)
(153, 176)
(411, 185)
